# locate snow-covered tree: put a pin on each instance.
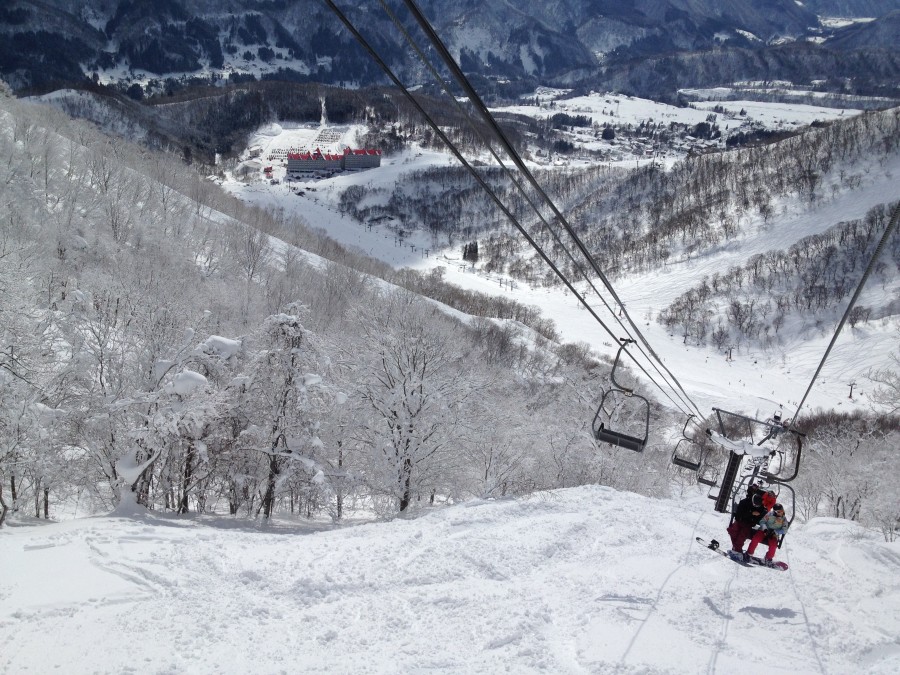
(285, 394)
(417, 389)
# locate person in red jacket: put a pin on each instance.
(747, 515)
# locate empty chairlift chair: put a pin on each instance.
(688, 453)
(620, 405)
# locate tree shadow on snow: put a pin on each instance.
(769, 612)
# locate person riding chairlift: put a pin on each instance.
(773, 525)
(750, 510)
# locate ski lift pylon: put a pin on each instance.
(615, 397)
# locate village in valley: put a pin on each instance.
(599, 127)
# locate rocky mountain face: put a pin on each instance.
(46, 43)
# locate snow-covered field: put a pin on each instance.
(621, 109)
(586, 580)
(754, 382)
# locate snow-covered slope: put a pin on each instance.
(579, 581)
(755, 380)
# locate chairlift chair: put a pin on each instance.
(615, 398)
(790, 507)
(681, 458)
(772, 429)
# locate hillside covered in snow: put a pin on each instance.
(418, 210)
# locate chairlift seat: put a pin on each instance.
(685, 463)
(692, 460)
(619, 439)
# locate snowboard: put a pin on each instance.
(736, 557)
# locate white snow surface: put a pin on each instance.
(582, 581)
(221, 346)
(185, 382)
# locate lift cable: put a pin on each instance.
(479, 105)
(494, 197)
(892, 224)
(359, 37)
(367, 46)
(445, 87)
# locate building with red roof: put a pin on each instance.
(298, 162)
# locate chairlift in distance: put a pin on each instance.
(611, 408)
(708, 475)
(688, 453)
(691, 454)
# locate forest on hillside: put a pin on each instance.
(816, 275)
(151, 321)
(637, 220)
(165, 342)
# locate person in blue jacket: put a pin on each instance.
(773, 525)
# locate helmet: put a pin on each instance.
(769, 499)
(755, 499)
(778, 507)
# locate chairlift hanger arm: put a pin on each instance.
(684, 429)
(628, 391)
(772, 478)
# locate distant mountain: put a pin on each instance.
(859, 35)
(851, 8)
(160, 45)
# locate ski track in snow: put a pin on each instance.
(587, 580)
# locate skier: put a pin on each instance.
(771, 527)
(749, 512)
(768, 499)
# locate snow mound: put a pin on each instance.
(185, 383)
(220, 346)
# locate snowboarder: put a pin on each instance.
(773, 525)
(749, 512)
(768, 499)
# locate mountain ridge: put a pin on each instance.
(561, 41)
